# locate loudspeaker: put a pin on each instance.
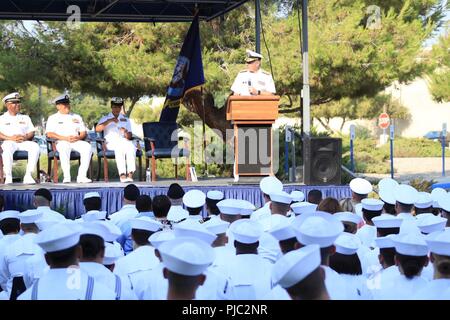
(322, 158)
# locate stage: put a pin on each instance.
(68, 198)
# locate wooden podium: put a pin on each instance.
(252, 118)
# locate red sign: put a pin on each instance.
(383, 121)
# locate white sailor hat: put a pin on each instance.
(176, 214)
(347, 243)
(246, 207)
(387, 195)
(372, 204)
(160, 237)
(387, 183)
(246, 230)
(216, 225)
(319, 228)
(30, 216)
(194, 199)
(385, 242)
(252, 55)
(411, 244)
(283, 229)
(114, 230)
(117, 100)
(436, 194)
(423, 200)
(297, 196)
(387, 221)
(303, 207)
(186, 256)
(94, 215)
(347, 216)
(360, 186)
(189, 228)
(12, 97)
(281, 197)
(215, 195)
(101, 229)
(405, 194)
(14, 214)
(58, 237)
(145, 223)
(64, 98)
(296, 265)
(439, 242)
(270, 184)
(444, 202)
(429, 223)
(112, 253)
(230, 206)
(91, 195)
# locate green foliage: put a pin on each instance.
(440, 76)
(143, 112)
(422, 184)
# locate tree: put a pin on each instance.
(440, 75)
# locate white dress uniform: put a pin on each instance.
(141, 259)
(70, 125)
(13, 125)
(401, 288)
(120, 217)
(124, 149)
(261, 213)
(437, 289)
(121, 286)
(381, 279)
(50, 215)
(260, 80)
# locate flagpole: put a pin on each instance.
(205, 173)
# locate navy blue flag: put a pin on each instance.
(188, 74)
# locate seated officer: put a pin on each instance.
(69, 130)
(118, 135)
(17, 131)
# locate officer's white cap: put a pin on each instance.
(385, 242)
(30, 216)
(189, 228)
(436, 194)
(15, 96)
(270, 184)
(61, 98)
(281, 197)
(146, 223)
(230, 206)
(444, 202)
(246, 207)
(387, 195)
(176, 214)
(112, 254)
(94, 215)
(411, 244)
(100, 229)
(252, 55)
(215, 195)
(303, 207)
(160, 237)
(117, 100)
(58, 237)
(387, 183)
(439, 242)
(297, 196)
(347, 243)
(423, 200)
(429, 223)
(296, 265)
(387, 221)
(9, 214)
(406, 194)
(372, 204)
(194, 199)
(360, 186)
(186, 256)
(347, 216)
(91, 195)
(216, 225)
(246, 230)
(283, 229)
(319, 228)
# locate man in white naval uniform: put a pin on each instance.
(42, 200)
(267, 185)
(69, 131)
(17, 131)
(116, 129)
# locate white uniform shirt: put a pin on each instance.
(260, 80)
(335, 284)
(65, 124)
(367, 235)
(127, 212)
(140, 259)
(438, 289)
(401, 288)
(112, 130)
(19, 124)
(261, 213)
(379, 280)
(49, 214)
(356, 287)
(67, 284)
